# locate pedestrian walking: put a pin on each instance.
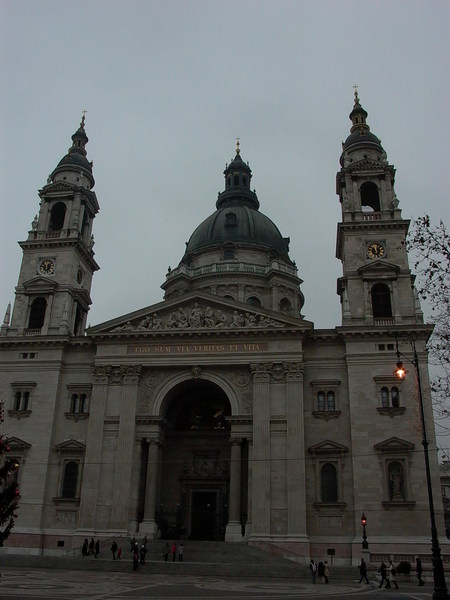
(119, 553)
(419, 571)
(392, 574)
(363, 570)
(135, 557)
(91, 546)
(326, 571)
(174, 551)
(313, 569)
(384, 577)
(180, 553)
(97, 548)
(85, 548)
(114, 548)
(166, 551)
(142, 553)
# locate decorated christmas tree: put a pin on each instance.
(9, 490)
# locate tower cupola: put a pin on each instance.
(74, 167)
(237, 184)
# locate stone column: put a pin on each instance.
(248, 525)
(125, 446)
(94, 443)
(261, 450)
(295, 450)
(148, 525)
(234, 528)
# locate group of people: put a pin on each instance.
(321, 570)
(174, 550)
(388, 573)
(90, 548)
(138, 553)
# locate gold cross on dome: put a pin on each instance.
(355, 87)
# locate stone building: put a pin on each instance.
(220, 413)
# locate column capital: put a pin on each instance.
(131, 374)
(102, 373)
(235, 441)
(294, 371)
(261, 372)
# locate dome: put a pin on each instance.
(241, 225)
(75, 160)
(363, 137)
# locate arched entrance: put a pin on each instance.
(195, 468)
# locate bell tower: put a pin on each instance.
(53, 291)
(377, 287)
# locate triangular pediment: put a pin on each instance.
(378, 268)
(17, 445)
(327, 448)
(198, 312)
(39, 285)
(394, 444)
(71, 446)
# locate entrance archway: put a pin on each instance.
(195, 468)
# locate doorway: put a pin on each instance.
(203, 515)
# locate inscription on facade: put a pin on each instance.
(197, 348)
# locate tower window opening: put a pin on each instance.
(254, 301)
(285, 306)
(370, 200)
(57, 216)
(37, 313)
(236, 180)
(381, 301)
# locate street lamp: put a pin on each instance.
(365, 544)
(440, 586)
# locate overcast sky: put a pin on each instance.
(169, 85)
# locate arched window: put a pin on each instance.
(254, 301)
(331, 401)
(395, 398)
(370, 199)
(69, 488)
(57, 215)
(285, 306)
(381, 300)
(74, 403)
(321, 401)
(384, 397)
(17, 400)
(328, 483)
(37, 313)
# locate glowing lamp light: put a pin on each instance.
(400, 371)
(363, 520)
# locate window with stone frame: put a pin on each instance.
(389, 394)
(18, 450)
(326, 398)
(395, 457)
(70, 458)
(21, 401)
(328, 459)
(78, 401)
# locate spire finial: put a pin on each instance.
(83, 118)
(238, 149)
(355, 87)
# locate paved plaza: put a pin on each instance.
(22, 583)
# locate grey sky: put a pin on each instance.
(168, 85)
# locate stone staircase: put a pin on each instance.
(217, 559)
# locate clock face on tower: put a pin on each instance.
(47, 266)
(375, 250)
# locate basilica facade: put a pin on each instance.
(220, 413)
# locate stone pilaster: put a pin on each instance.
(149, 526)
(234, 528)
(248, 525)
(261, 450)
(125, 446)
(296, 500)
(94, 443)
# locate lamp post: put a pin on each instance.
(365, 544)
(440, 586)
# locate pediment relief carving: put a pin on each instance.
(198, 316)
(394, 444)
(327, 448)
